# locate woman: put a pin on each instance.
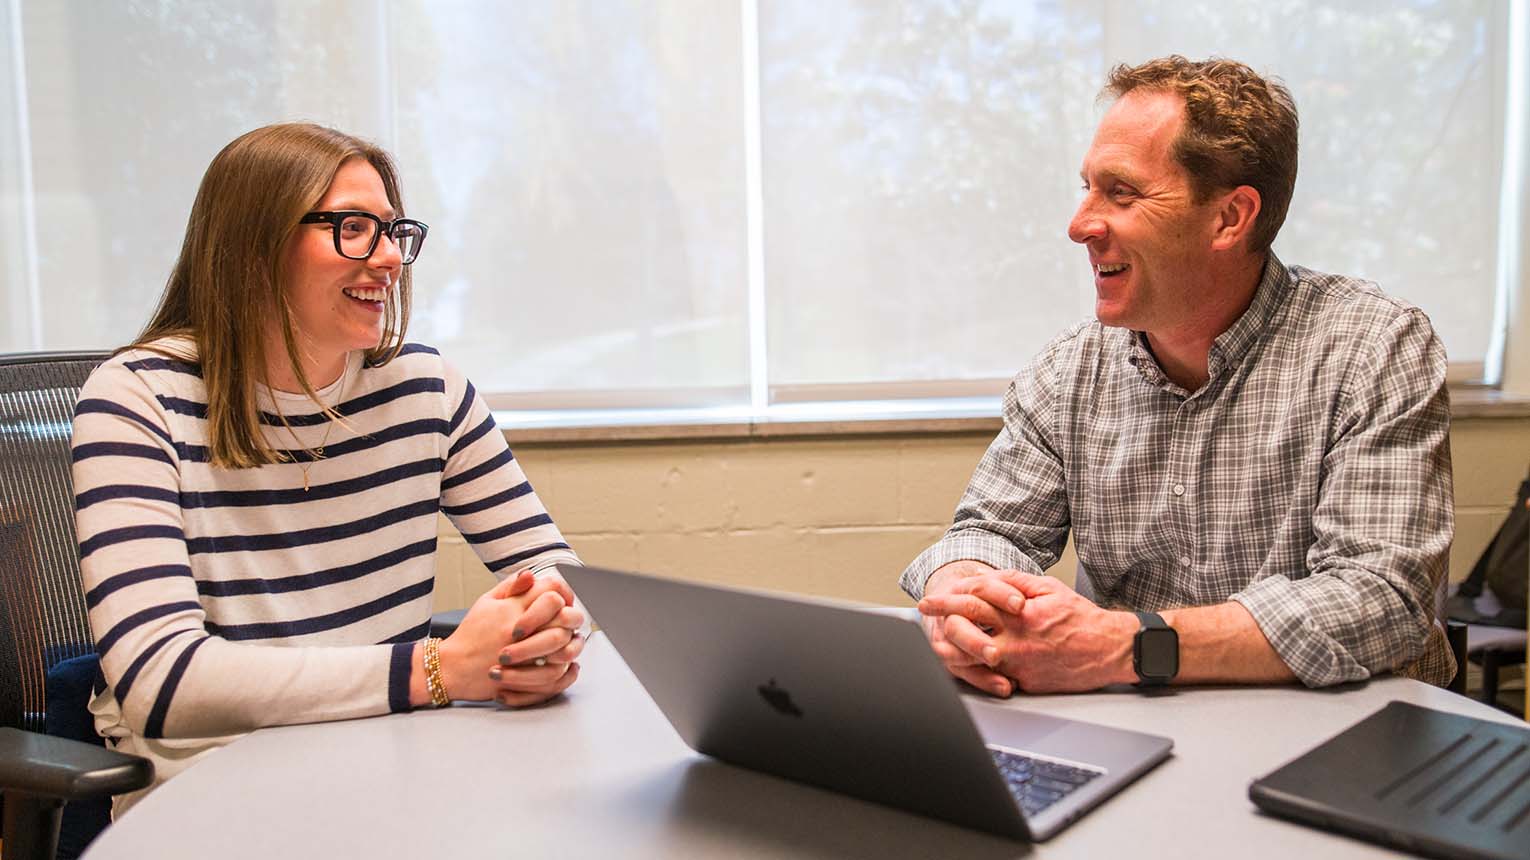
(257, 477)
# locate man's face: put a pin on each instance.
(1149, 243)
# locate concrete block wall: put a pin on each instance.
(1490, 458)
(836, 515)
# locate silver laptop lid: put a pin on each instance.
(815, 690)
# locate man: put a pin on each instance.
(1251, 455)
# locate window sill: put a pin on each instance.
(866, 418)
(1487, 403)
(978, 415)
(858, 418)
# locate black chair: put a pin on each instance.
(1495, 635)
(47, 655)
(444, 624)
(1456, 634)
(1495, 648)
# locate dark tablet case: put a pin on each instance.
(1427, 781)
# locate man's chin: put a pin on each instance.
(1112, 314)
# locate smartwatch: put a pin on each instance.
(1155, 651)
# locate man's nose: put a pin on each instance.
(1086, 225)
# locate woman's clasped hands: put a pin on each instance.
(518, 643)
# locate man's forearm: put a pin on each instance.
(1223, 643)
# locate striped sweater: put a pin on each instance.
(227, 600)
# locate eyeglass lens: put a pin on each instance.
(358, 238)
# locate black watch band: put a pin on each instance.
(1155, 650)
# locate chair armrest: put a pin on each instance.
(46, 766)
(444, 624)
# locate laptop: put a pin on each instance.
(852, 699)
(1427, 781)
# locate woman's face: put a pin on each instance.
(337, 303)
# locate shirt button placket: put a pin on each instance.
(1183, 453)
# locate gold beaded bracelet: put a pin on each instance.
(433, 681)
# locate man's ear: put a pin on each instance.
(1237, 214)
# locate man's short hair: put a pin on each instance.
(1240, 129)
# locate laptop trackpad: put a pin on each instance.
(1012, 727)
(1114, 750)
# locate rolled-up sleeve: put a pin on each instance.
(1014, 513)
(1382, 529)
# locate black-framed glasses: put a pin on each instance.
(356, 233)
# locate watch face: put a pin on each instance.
(1157, 654)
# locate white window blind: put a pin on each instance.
(587, 171)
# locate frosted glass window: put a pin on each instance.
(921, 165)
(580, 166)
(126, 103)
(1401, 140)
(584, 167)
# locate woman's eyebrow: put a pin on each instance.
(386, 213)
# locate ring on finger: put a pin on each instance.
(540, 661)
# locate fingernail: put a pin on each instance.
(494, 672)
(991, 655)
(1014, 603)
(517, 635)
(504, 660)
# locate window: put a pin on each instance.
(664, 203)
(921, 166)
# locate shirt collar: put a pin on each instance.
(1230, 345)
(1269, 296)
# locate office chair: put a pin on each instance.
(1457, 635)
(1494, 648)
(50, 755)
(1489, 645)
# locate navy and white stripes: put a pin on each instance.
(225, 600)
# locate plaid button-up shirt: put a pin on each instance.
(1308, 479)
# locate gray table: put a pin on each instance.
(600, 773)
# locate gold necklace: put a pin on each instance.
(318, 453)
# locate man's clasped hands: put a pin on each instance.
(1006, 631)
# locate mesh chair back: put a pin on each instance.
(42, 604)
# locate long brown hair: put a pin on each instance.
(228, 286)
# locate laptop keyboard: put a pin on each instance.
(1037, 783)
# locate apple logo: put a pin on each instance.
(779, 699)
